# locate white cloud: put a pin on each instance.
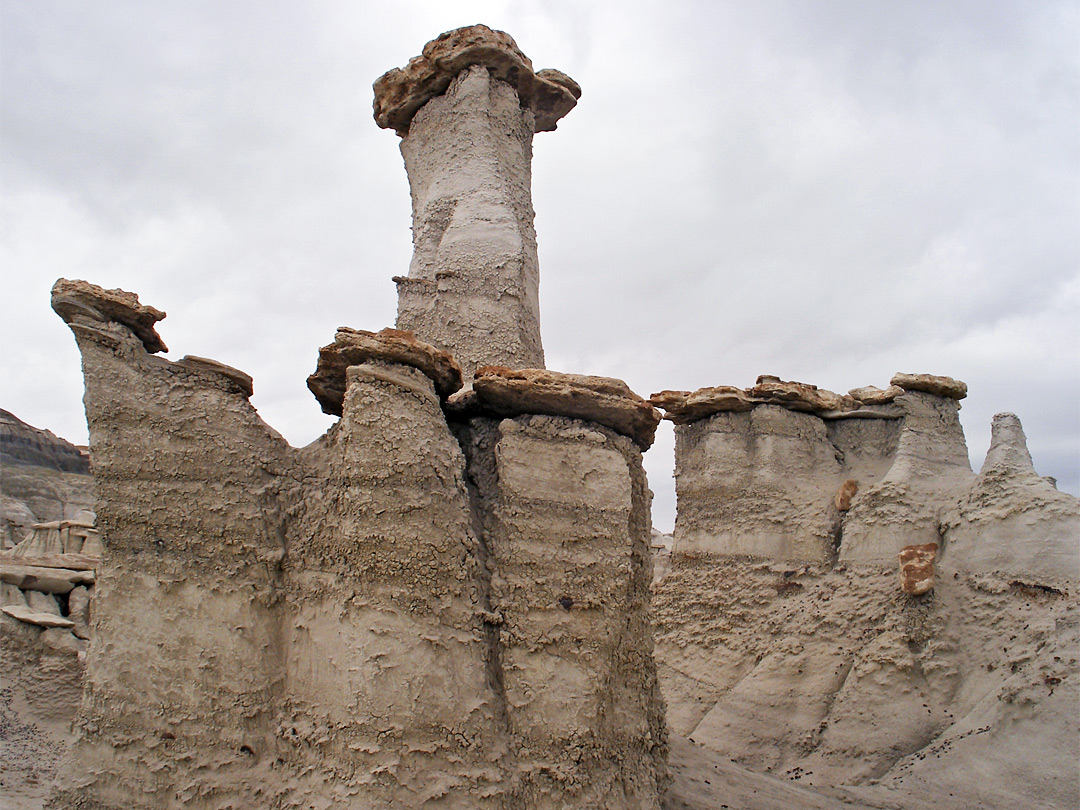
(831, 192)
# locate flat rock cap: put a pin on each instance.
(607, 401)
(401, 92)
(71, 299)
(352, 347)
(931, 384)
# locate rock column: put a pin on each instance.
(184, 669)
(390, 702)
(467, 109)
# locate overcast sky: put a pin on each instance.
(826, 191)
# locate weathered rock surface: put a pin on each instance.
(40, 685)
(872, 395)
(77, 542)
(758, 482)
(40, 618)
(79, 608)
(44, 479)
(917, 568)
(684, 407)
(928, 473)
(843, 496)
(473, 283)
(498, 391)
(400, 93)
(372, 620)
(833, 677)
(79, 301)
(390, 346)
(185, 668)
(564, 522)
(232, 378)
(385, 643)
(1012, 520)
(11, 595)
(46, 580)
(931, 384)
(797, 396)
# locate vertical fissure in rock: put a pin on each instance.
(477, 439)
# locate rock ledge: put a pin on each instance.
(71, 299)
(354, 346)
(505, 392)
(401, 92)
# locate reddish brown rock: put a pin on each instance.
(917, 568)
(401, 92)
(354, 346)
(843, 496)
(684, 407)
(797, 396)
(604, 400)
(71, 299)
(872, 395)
(931, 384)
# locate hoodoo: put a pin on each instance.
(467, 109)
(443, 601)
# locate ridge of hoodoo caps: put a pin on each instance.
(401, 92)
(355, 346)
(870, 402)
(504, 392)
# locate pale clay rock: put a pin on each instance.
(377, 520)
(46, 580)
(473, 286)
(930, 384)
(38, 618)
(80, 600)
(1012, 520)
(759, 483)
(57, 539)
(604, 400)
(929, 471)
(42, 602)
(917, 568)
(242, 382)
(400, 93)
(11, 595)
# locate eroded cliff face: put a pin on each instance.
(45, 479)
(847, 604)
(790, 472)
(564, 506)
(410, 612)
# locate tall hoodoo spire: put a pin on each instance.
(466, 110)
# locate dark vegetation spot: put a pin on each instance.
(1032, 589)
(786, 586)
